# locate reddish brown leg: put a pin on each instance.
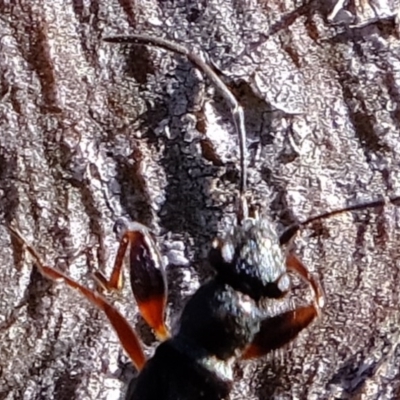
(295, 265)
(125, 333)
(147, 276)
(277, 331)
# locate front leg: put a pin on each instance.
(280, 330)
(275, 332)
(124, 331)
(293, 264)
(147, 275)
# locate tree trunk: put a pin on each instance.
(93, 131)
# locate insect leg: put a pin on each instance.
(124, 331)
(295, 265)
(147, 276)
(277, 331)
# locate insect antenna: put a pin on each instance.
(207, 70)
(292, 230)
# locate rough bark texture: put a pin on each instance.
(92, 131)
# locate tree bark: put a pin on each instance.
(93, 131)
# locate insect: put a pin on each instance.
(224, 321)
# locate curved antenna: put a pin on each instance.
(236, 109)
(291, 231)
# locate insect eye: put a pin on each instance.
(283, 283)
(226, 252)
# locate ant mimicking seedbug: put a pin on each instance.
(224, 321)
